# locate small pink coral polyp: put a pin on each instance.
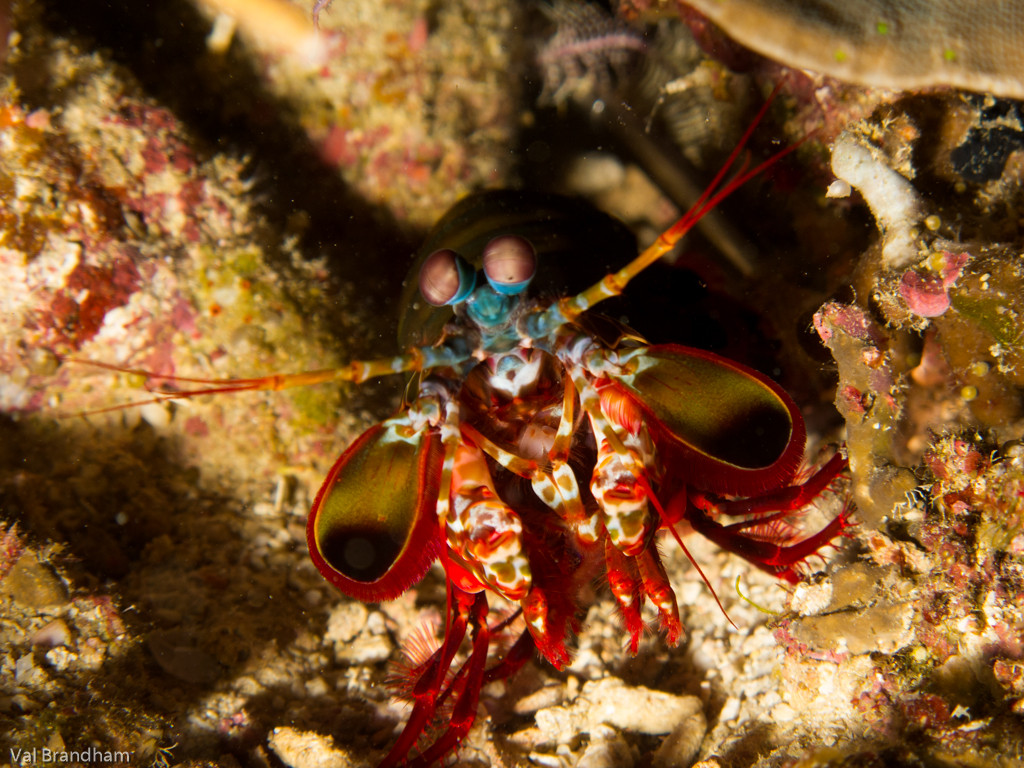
(927, 295)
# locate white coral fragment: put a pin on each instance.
(894, 202)
(611, 702)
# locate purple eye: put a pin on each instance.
(446, 278)
(509, 264)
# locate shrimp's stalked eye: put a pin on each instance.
(510, 263)
(446, 278)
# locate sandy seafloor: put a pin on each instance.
(220, 209)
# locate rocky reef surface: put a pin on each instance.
(210, 190)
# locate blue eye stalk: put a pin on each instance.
(446, 279)
(509, 264)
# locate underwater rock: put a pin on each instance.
(969, 293)
(900, 45)
(998, 132)
(414, 103)
(869, 398)
(32, 585)
(126, 242)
